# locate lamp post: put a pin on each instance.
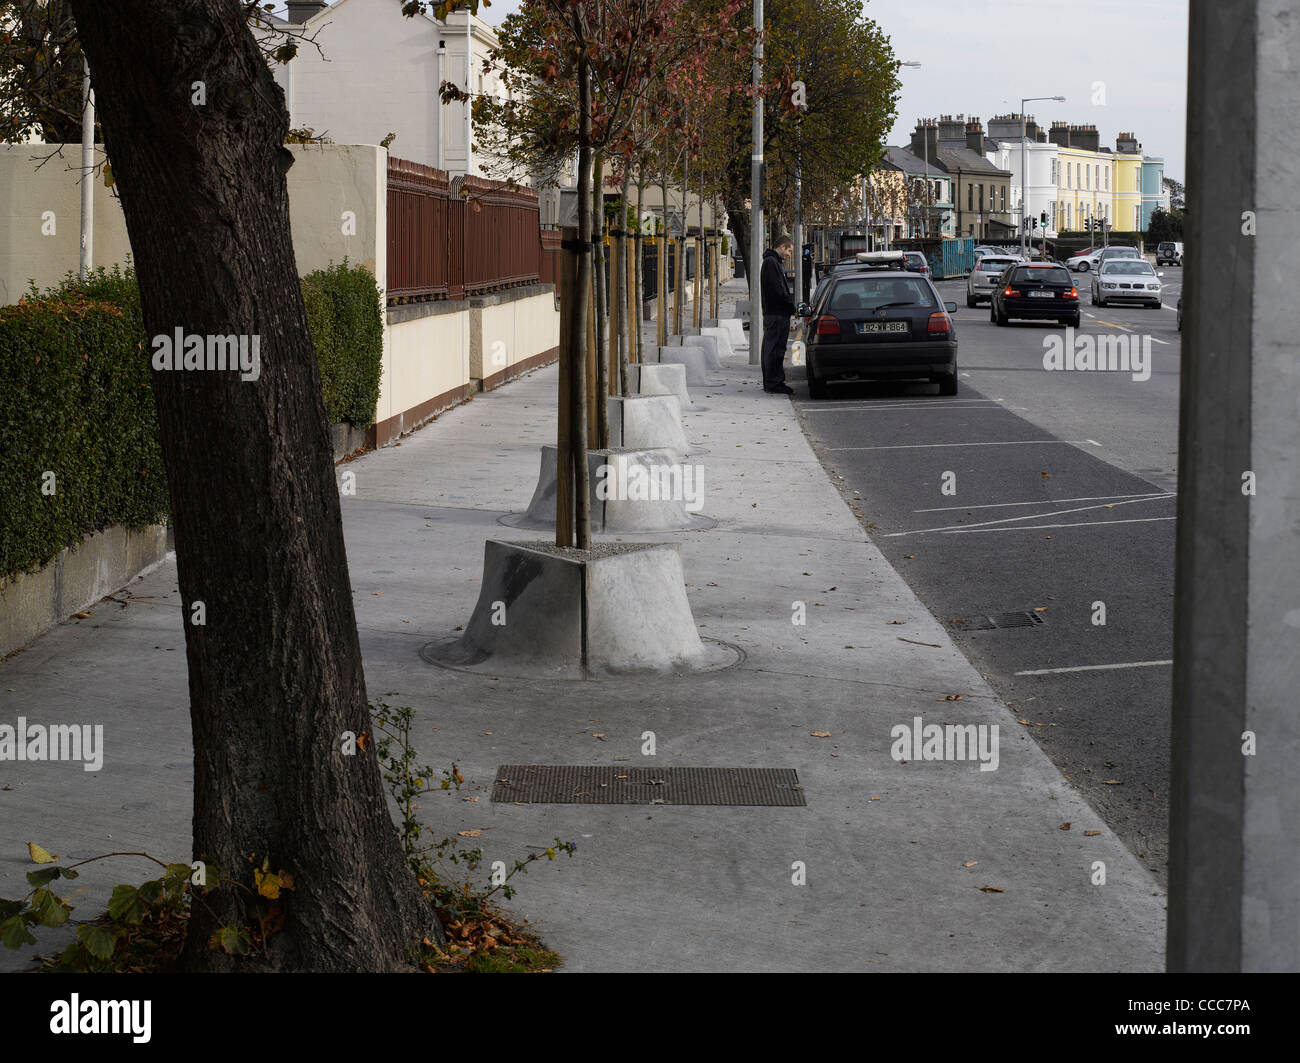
(1023, 160)
(756, 201)
(914, 64)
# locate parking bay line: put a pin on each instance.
(1006, 443)
(1094, 668)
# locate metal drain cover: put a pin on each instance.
(619, 784)
(996, 621)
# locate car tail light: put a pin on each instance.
(1010, 291)
(828, 326)
(1073, 293)
(939, 323)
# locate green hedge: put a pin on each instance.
(75, 401)
(345, 315)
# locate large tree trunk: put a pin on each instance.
(275, 674)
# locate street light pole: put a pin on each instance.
(1024, 145)
(756, 201)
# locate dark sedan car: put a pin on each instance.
(888, 324)
(1036, 291)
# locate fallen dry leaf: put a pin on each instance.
(820, 734)
(970, 863)
(82, 616)
(469, 833)
(598, 734)
(469, 798)
(951, 697)
(1065, 825)
(1114, 782)
(1091, 833)
(991, 889)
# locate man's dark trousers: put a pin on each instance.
(776, 331)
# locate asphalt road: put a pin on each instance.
(1048, 494)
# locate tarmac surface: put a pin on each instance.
(912, 865)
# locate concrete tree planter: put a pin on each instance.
(695, 359)
(735, 332)
(617, 609)
(644, 491)
(709, 345)
(725, 350)
(648, 422)
(666, 378)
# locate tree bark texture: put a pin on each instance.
(275, 674)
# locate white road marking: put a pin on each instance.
(900, 406)
(1154, 340)
(1093, 442)
(1042, 502)
(1008, 443)
(1082, 524)
(1027, 516)
(1094, 668)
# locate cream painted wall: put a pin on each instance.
(323, 183)
(423, 357)
(26, 194)
(508, 333)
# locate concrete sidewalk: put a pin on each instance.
(897, 855)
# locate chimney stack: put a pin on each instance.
(926, 132)
(975, 136)
(301, 10)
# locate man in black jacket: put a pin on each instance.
(778, 307)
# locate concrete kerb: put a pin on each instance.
(666, 378)
(648, 422)
(694, 358)
(614, 610)
(632, 491)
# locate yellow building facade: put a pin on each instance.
(1092, 182)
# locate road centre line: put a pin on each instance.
(1012, 520)
(1006, 443)
(1094, 668)
(1042, 502)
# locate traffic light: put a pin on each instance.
(1043, 219)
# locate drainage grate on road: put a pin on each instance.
(620, 784)
(996, 621)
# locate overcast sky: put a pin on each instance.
(979, 57)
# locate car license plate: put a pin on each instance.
(882, 326)
(1042, 295)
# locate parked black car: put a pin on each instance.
(886, 323)
(1036, 291)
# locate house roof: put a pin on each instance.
(902, 159)
(964, 159)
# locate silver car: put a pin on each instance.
(1126, 280)
(985, 277)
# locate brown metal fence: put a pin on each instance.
(448, 239)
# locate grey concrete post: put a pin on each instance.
(1234, 890)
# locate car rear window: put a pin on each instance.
(867, 293)
(1122, 252)
(1054, 275)
(994, 265)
